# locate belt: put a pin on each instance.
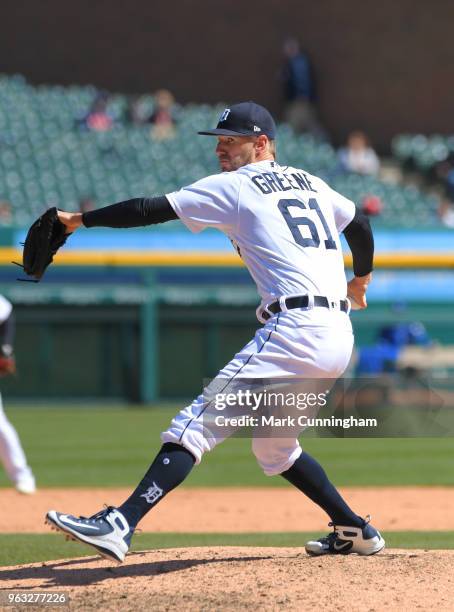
(302, 301)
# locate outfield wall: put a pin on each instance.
(143, 333)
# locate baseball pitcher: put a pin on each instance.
(285, 224)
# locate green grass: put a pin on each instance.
(16, 549)
(94, 446)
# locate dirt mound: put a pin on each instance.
(228, 578)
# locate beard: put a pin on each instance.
(230, 165)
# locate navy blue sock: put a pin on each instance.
(307, 475)
(170, 467)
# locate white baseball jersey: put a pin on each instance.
(284, 222)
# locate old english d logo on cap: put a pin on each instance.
(244, 119)
(224, 115)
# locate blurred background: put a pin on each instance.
(98, 106)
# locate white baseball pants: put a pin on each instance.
(304, 344)
(11, 453)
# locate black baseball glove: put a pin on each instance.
(44, 238)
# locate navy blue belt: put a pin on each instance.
(302, 301)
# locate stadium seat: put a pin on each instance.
(46, 158)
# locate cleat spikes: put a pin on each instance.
(113, 537)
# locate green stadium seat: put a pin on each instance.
(48, 159)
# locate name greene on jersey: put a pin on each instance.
(285, 221)
(271, 182)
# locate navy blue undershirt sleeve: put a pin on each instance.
(358, 235)
(137, 212)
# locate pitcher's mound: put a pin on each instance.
(231, 578)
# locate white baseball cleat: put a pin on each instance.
(25, 485)
(107, 531)
(346, 540)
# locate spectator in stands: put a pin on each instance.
(98, 118)
(6, 215)
(358, 156)
(162, 119)
(86, 205)
(446, 213)
(299, 91)
(445, 172)
(136, 112)
(372, 206)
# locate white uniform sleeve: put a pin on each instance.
(343, 209)
(210, 202)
